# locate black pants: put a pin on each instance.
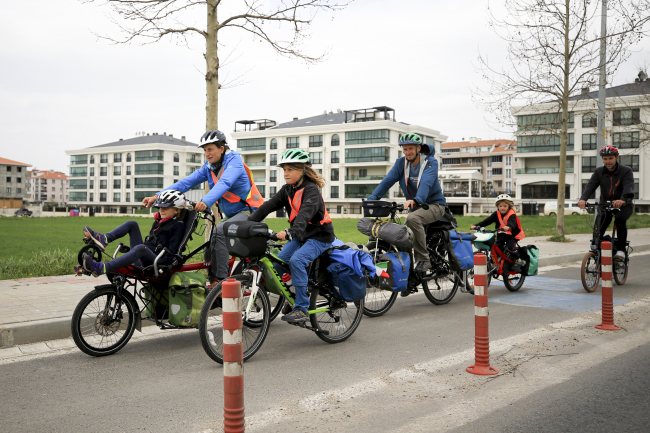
(620, 221)
(510, 244)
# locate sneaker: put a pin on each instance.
(95, 268)
(518, 265)
(620, 255)
(99, 238)
(211, 286)
(422, 266)
(296, 316)
(404, 293)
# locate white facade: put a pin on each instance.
(352, 156)
(117, 176)
(46, 186)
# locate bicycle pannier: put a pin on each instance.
(530, 254)
(461, 251)
(245, 238)
(348, 269)
(395, 234)
(158, 297)
(186, 298)
(392, 271)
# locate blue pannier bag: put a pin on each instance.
(348, 269)
(392, 271)
(461, 256)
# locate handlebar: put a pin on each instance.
(400, 207)
(606, 205)
(484, 230)
(207, 210)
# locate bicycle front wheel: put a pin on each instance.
(341, 319)
(620, 271)
(590, 272)
(255, 327)
(513, 282)
(276, 301)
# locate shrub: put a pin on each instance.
(41, 264)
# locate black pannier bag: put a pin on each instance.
(376, 208)
(395, 234)
(245, 238)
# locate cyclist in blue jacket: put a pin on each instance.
(417, 173)
(231, 187)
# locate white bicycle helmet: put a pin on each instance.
(504, 197)
(294, 156)
(211, 137)
(170, 198)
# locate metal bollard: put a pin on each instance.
(233, 358)
(481, 339)
(608, 290)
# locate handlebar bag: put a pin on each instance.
(395, 234)
(484, 241)
(461, 255)
(348, 269)
(186, 298)
(246, 238)
(530, 253)
(392, 270)
(376, 208)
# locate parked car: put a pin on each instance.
(23, 212)
(570, 208)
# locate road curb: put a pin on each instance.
(576, 257)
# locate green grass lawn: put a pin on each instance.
(22, 238)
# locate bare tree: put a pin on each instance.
(552, 54)
(150, 21)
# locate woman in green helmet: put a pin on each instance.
(310, 233)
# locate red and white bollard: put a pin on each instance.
(608, 290)
(481, 339)
(233, 357)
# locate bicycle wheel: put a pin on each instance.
(276, 301)
(94, 330)
(441, 289)
(340, 321)
(590, 272)
(513, 282)
(211, 322)
(377, 301)
(620, 271)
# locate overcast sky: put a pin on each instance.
(63, 88)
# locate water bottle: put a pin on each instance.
(286, 279)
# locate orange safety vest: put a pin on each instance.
(253, 199)
(521, 234)
(297, 202)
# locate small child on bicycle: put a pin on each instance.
(311, 232)
(166, 232)
(506, 218)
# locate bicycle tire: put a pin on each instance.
(326, 321)
(620, 271)
(378, 301)
(507, 281)
(433, 290)
(276, 301)
(469, 282)
(211, 324)
(590, 272)
(98, 326)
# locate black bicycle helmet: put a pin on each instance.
(214, 136)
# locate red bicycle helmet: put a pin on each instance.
(609, 150)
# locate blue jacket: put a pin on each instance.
(234, 179)
(429, 190)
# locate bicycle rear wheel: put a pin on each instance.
(340, 321)
(211, 322)
(513, 282)
(377, 301)
(441, 289)
(590, 272)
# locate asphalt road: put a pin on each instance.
(404, 371)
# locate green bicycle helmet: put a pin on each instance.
(410, 139)
(294, 156)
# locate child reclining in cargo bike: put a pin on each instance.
(166, 232)
(311, 232)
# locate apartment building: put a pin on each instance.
(474, 172)
(352, 149)
(47, 186)
(115, 177)
(627, 127)
(13, 183)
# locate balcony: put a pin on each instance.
(256, 164)
(259, 179)
(550, 170)
(371, 177)
(457, 193)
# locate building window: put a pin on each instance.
(542, 190)
(273, 177)
(335, 156)
(116, 196)
(584, 185)
(103, 171)
(477, 161)
(532, 122)
(497, 171)
(450, 161)
(251, 144)
(77, 172)
(589, 120)
(117, 171)
(588, 164)
(53, 189)
(631, 161)
(366, 137)
(194, 158)
(176, 171)
(102, 197)
(149, 155)
(92, 171)
(143, 169)
(636, 189)
(262, 190)
(128, 197)
(335, 174)
(363, 173)
(316, 157)
(273, 190)
(508, 186)
(138, 196)
(128, 157)
(91, 197)
(334, 193)
(92, 159)
(19, 180)
(92, 183)
(336, 141)
(274, 144)
(189, 171)
(103, 184)
(77, 160)
(508, 160)
(372, 154)
(149, 182)
(508, 173)
(489, 173)
(274, 160)
(8, 190)
(128, 183)
(176, 158)
(315, 141)
(19, 190)
(359, 190)
(79, 184)
(496, 158)
(117, 157)
(128, 170)
(626, 117)
(293, 142)
(79, 196)
(588, 141)
(8, 179)
(542, 143)
(117, 183)
(103, 159)
(626, 140)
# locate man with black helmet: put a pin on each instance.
(615, 181)
(231, 186)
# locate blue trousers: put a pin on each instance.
(299, 256)
(139, 254)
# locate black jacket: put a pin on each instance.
(312, 210)
(510, 222)
(169, 234)
(613, 184)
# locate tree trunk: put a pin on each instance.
(211, 85)
(559, 225)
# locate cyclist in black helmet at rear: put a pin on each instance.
(615, 181)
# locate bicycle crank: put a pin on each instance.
(305, 326)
